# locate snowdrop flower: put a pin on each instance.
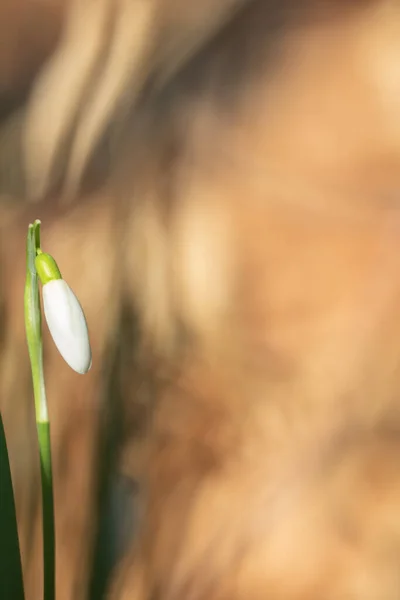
(64, 315)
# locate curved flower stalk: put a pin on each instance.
(68, 328)
(64, 315)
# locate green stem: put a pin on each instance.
(43, 430)
(35, 347)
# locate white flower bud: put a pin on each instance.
(64, 315)
(67, 324)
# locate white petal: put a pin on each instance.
(67, 324)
